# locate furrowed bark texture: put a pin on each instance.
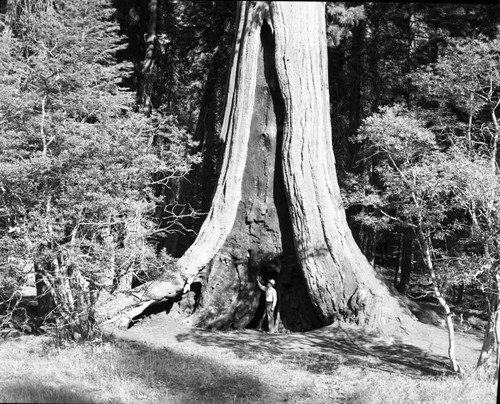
(249, 209)
(277, 210)
(338, 277)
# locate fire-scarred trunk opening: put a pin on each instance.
(261, 240)
(277, 211)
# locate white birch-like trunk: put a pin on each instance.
(489, 358)
(426, 252)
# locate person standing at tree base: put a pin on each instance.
(271, 300)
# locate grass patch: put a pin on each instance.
(35, 370)
(389, 389)
(34, 391)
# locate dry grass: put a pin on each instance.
(34, 370)
(385, 389)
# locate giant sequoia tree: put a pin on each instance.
(277, 211)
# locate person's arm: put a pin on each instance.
(261, 286)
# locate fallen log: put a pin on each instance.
(122, 308)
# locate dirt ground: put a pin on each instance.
(420, 352)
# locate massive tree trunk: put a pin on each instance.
(277, 210)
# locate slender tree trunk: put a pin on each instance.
(406, 259)
(44, 298)
(373, 60)
(367, 235)
(64, 294)
(355, 87)
(134, 243)
(277, 210)
(368, 243)
(425, 246)
(149, 60)
(469, 127)
(399, 259)
(460, 293)
(491, 341)
(490, 351)
(496, 135)
(407, 66)
(109, 244)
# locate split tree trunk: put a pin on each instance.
(277, 210)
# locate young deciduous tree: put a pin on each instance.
(478, 194)
(423, 185)
(464, 84)
(466, 79)
(417, 186)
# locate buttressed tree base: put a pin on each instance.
(277, 211)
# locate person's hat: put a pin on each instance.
(272, 282)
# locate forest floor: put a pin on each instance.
(337, 363)
(162, 360)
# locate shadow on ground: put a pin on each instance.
(29, 391)
(130, 371)
(322, 351)
(188, 377)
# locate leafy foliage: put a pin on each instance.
(415, 184)
(77, 163)
(341, 20)
(466, 74)
(378, 49)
